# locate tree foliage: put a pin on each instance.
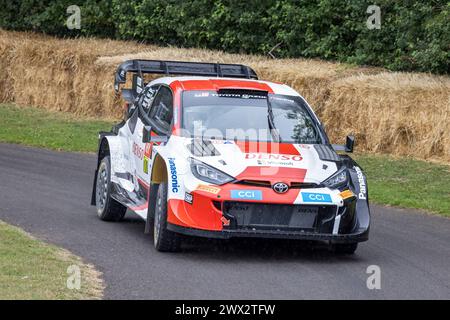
(414, 34)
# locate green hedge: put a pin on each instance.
(414, 34)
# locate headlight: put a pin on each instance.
(337, 180)
(209, 174)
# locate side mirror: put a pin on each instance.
(349, 143)
(348, 147)
(146, 134)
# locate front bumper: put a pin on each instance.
(359, 236)
(207, 214)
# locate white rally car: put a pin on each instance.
(209, 150)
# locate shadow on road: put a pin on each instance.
(247, 249)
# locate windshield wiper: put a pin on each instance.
(273, 130)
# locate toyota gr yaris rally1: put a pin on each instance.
(209, 150)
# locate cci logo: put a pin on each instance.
(316, 197)
(246, 194)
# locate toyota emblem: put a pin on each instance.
(280, 187)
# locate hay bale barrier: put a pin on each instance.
(59, 75)
(397, 113)
(405, 114)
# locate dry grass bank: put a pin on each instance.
(398, 113)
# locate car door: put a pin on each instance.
(156, 111)
(159, 118)
(141, 151)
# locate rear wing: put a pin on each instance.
(168, 68)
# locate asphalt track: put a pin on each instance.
(47, 193)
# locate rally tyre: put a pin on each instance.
(164, 240)
(108, 209)
(345, 248)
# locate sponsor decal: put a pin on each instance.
(148, 150)
(275, 163)
(145, 168)
(239, 207)
(271, 157)
(362, 184)
(138, 151)
(284, 99)
(307, 209)
(175, 115)
(225, 221)
(316, 197)
(189, 198)
(148, 98)
(138, 85)
(216, 141)
(346, 194)
(246, 194)
(147, 156)
(209, 189)
(173, 175)
(238, 95)
(201, 95)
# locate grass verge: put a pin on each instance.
(407, 182)
(402, 182)
(52, 130)
(31, 269)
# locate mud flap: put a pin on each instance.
(153, 191)
(94, 186)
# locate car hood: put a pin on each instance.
(267, 162)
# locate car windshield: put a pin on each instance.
(272, 117)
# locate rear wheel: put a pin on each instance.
(345, 248)
(108, 209)
(164, 240)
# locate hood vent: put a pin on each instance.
(202, 148)
(326, 153)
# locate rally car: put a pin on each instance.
(209, 150)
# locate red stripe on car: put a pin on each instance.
(216, 84)
(273, 174)
(267, 147)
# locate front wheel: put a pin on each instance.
(164, 240)
(108, 209)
